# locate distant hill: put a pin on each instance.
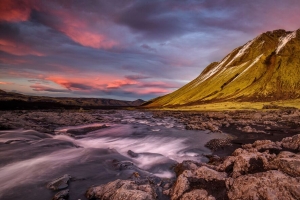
(10, 100)
(266, 68)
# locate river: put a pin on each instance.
(131, 141)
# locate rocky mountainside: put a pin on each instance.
(266, 68)
(10, 100)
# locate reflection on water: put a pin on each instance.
(30, 159)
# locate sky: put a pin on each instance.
(125, 49)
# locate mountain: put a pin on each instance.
(266, 68)
(2, 92)
(10, 100)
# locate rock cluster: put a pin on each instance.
(242, 120)
(262, 170)
(45, 121)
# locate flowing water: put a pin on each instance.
(29, 159)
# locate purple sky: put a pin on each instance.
(125, 49)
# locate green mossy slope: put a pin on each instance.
(266, 68)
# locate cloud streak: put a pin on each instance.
(42, 88)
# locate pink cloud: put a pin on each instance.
(5, 83)
(120, 83)
(21, 74)
(71, 25)
(89, 39)
(13, 61)
(144, 91)
(79, 30)
(17, 48)
(83, 81)
(14, 11)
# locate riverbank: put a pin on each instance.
(243, 126)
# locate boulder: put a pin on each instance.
(200, 184)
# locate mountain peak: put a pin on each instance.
(264, 69)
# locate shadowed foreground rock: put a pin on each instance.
(122, 189)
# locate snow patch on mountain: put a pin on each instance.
(211, 72)
(284, 40)
(253, 63)
(241, 51)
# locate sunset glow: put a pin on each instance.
(124, 49)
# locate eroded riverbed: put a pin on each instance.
(123, 142)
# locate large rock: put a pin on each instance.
(287, 162)
(122, 190)
(182, 185)
(265, 185)
(292, 142)
(204, 180)
(245, 161)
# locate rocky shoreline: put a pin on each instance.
(262, 170)
(243, 126)
(260, 159)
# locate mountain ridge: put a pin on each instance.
(15, 100)
(264, 69)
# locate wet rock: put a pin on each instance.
(122, 165)
(59, 183)
(186, 165)
(216, 144)
(265, 185)
(62, 195)
(132, 154)
(82, 131)
(214, 159)
(122, 189)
